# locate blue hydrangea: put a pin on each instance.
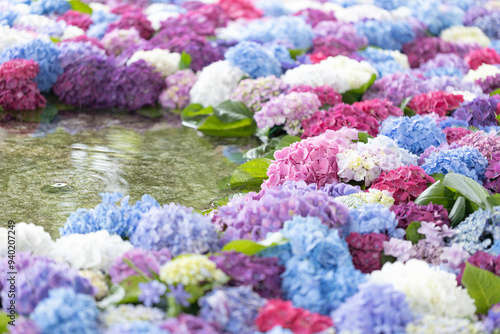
(480, 231)
(47, 7)
(281, 53)
(464, 160)
(436, 17)
(65, 311)
(495, 44)
(44, 53)
(489, 24)
(388, 35)
(374, 309)
(322, 259)
(273, 8)
(442, 71)
(136, 327)
(232, 309)
(451, 122)
(462, 4)
(100, 23)
(388, 67)
(276, 330)
(373, 218)
(253, 59)
(7, 17)
(121, 220)
(291, 29)
(177, 228)
(414, 134)
(375, 55)
(390, 4)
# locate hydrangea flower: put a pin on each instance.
(98, 281)
(389, 35)
(287, 109)
(441, 60)
(133, 19)
(435, 102)
(373, 218)
(479, 231)
(65, 311)
(487, 143)
(163, 61)
(47, 7)
(46, 54)
(24, 326)
(420, 283)
(374, 309)
(464, 160)
(366, 250)
(147, 261)
(282, 314)
(478, 112)
(371, 196)
(481, 260)
(255, 215)
(188, 324)
(125, 313)
(490, 83)
(177, 228)
(151, 292)
(121, 220)
(492, 321)
(453, 135)
(136, 327)
(261, 273)
(463, 34)
(492, 175)
(253, 59)
(30, 238)
(380, 109)
(414, 134)
(119, 40)
(432, 324)
(406, 213)
(77, 19)
(176, 93)
(256, 92)
(36, 277)
(394, 87)
(326, 94)
(191, 269)
(482, 56)
(231, 310)
(71, 52)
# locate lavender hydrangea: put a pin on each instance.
(342, 31)
(414, 134)
(479, 231)
(71, 52)
(151, 292)
(177, 228)
(340, 189)
(188, 324)
(65, 311)
(255, 92)
(320, 257)
(375, 218)
(446, 60)
(147, 261)
(390, 35)
(492, 321)
(24, 326)
(374, 309)
(253, 216)
(46, 54)
(136, 327)
(478, 112)
(36, 277)
(121, 220)
(253, 59)
(395, 87)
(464, 160)
(231, 310)
(176, 93)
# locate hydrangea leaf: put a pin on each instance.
(354, 95)
(251, 174)
(4, 320)
(467, 187)
(483, 286)
(267, 150)
(493, 200)
(412, 232)
(437, 176)
(215, 127)
(194, 114)
(437, 194)
(294, 53)
(405, 102)
(185, 61)
(48, 113)
(457, 213)
(363, 137)
(495, 92)
(132, 291)
(80, 6)
(232, 111)
(247, 247)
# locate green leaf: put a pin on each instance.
(132, 291)
(483, 286)
(405, 102)
(55, 40)
(467, 187)
(267, 150)
(386, 258)
(438, 176)
(80, 6)
(4, 320)
(150, 112)
(412, 232)
(185, 61)
(194, 114)
(247, 247)
(409, 112)
(294, 53)
(495, 92)
(492, 201)
(231, 111)
(457, 213)
(48, 113)
(213, 126)
(250, 175)
(363, 137)
(437, 194)
(354, 95)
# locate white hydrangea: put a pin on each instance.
(164, 61)
(340, 72)
(465, 35)
(34, 21)
(11, 37)
(401, 58)
(95, 251)
(406, 157)
(98, 281)
(482, 72)
(215, 83)
(428, 290)
(157, 18)
(99, 7)
(235, 30)
(468, 96)
(72, 32)
(401, 13)
(363, 11)
(28, 238)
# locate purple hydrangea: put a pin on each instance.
(406, 213)
(262, 274)
(146, 261)
(231, 310)
(188, 324)
(374, 309)
(176, 93)
(446, 60)
(24, 326)
(395, 87)
(490, 83)
(340, 189)
(36, 277)
(253, 216)
(478, 112)
(177, 228)
(340, 30)
(151, 292)
(256, 92)
(492, 321)
(72, 52)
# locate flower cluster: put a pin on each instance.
(373, 218)
(130, 313)
(492, 174)
(380, 109)
(191, 269)
(487, 143)
(386, 34)
(440, 325)
(148, 262)
(326, 94)
(77, 19)
(439, 102)
(253, 59)
(406, 213)
(481, 260)
(372, 196)
(163, 61)
(482, 56)
(188, 324)
(255, 93)
(478, 112)
(366, 250)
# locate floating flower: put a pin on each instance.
(151, 292)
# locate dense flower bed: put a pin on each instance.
(372, 207)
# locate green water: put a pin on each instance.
(43, 180)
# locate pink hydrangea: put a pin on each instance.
(455, 134)
(481, 260)
(17, 89)
(312, 160)
(176, 94)
(406, 213)
(366, 250)
(326, 94)
(486, 143)
(380, 109)
(405, 183)
(240, 9)
(76, 18)
(438, 102)
(476, 58)
(337, 117)
(136, 20)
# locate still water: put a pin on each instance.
(44, 179)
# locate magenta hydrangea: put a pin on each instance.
(492, 175)
(406, 213)
(147, 261)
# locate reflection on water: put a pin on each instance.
(43, 180)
